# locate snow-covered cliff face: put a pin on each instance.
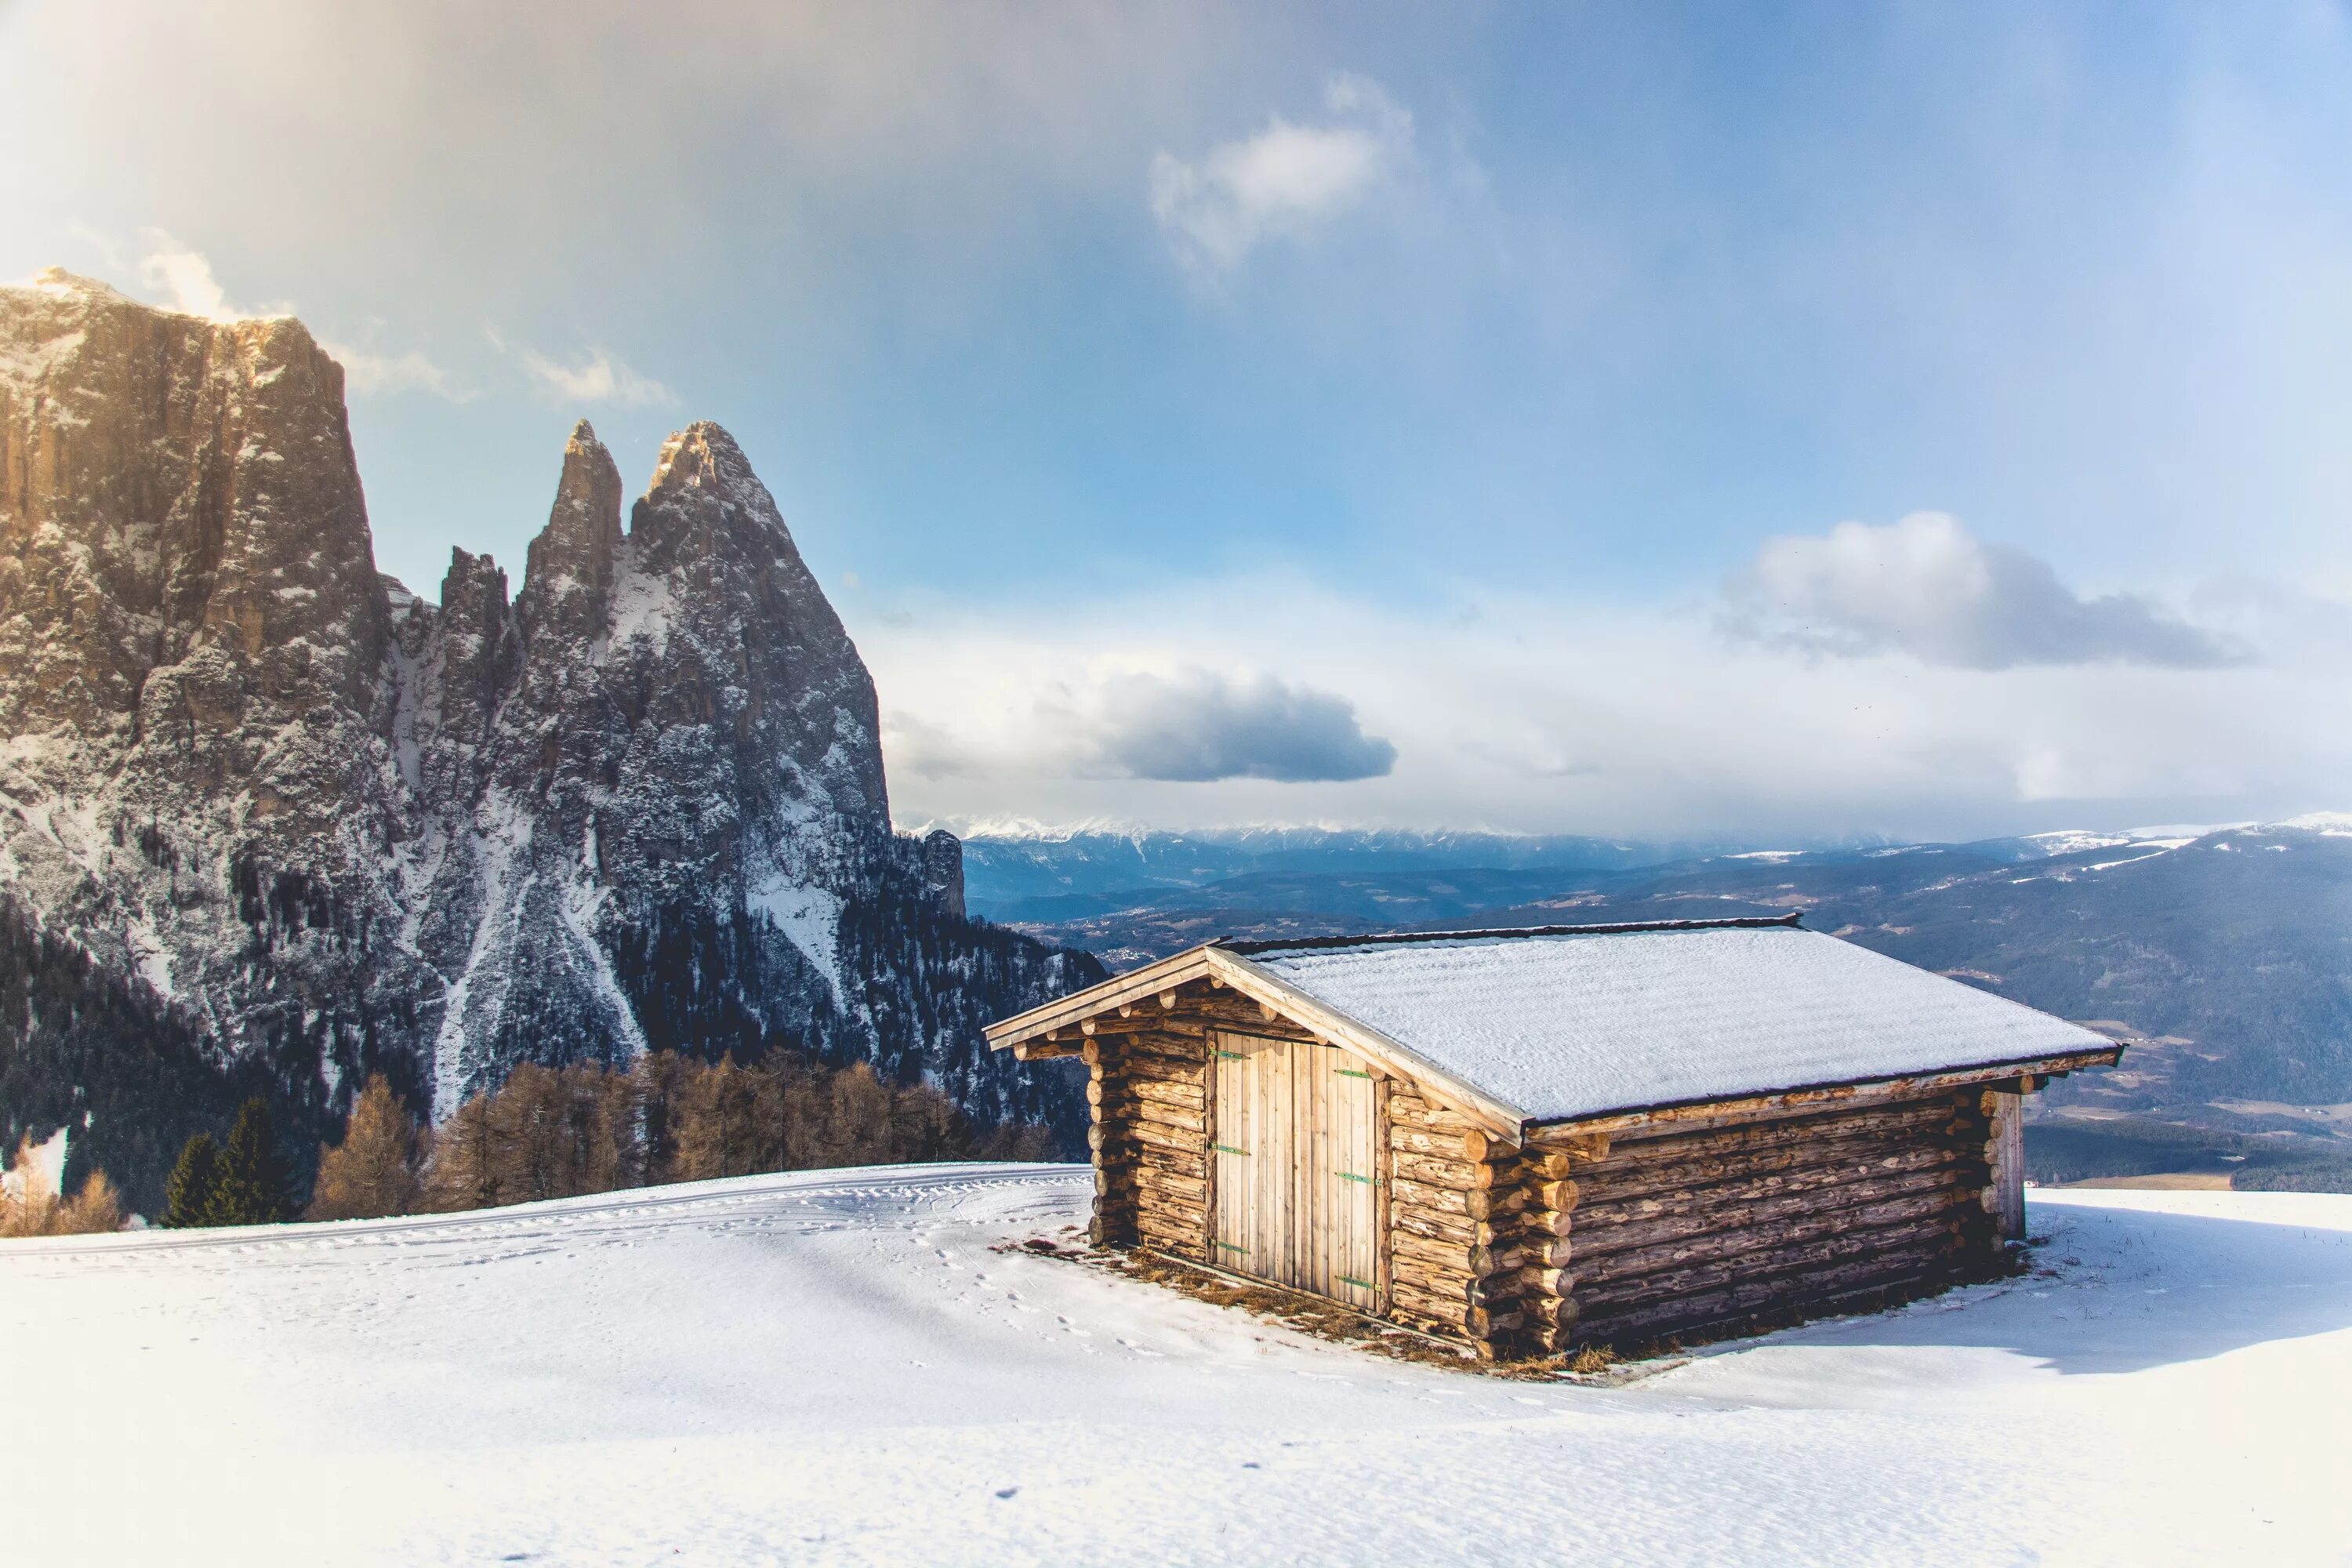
(339, 828)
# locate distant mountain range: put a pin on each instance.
(2225, 954)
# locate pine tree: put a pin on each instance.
(374, 1170)
(192, 1192)
(599, 1150)
(256, 1184)
(469, 1154)
(95, 1208)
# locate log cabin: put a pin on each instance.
(1537, 1139)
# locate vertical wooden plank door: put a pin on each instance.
(1297, 1199)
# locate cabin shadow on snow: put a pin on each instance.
(2122, 1290)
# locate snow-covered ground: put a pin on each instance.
(834, 1366)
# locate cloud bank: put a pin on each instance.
(1198, 727)
(1926, 586)
(1542, 712)
(1285, 181)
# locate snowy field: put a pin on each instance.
(834, 1367)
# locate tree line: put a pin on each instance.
(553, 1132)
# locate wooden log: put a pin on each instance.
(1532, 1221)
(1833, 1138)
(1180, 1096)
(1175, 1161)
(1153, 1135)
(1532, 1251)
(1559, 1196)
(1448, 1200)
(1584, 1148)
(1405, 1221)
(1183, 1243)
(1470, 1258)
(1125, 1112)
(1407, 1109)
(1248, 1018)
(1669, 1252)
(1154, 1216)
(1161, 1051)
(1849, 1198)
(1715, 1273)
(1801, 1101)
(1535, 1279)
(1727, 1306)
(1475, 1321)
(1895, 1121)
(1130, 1155)
(1172, 1186)
(1602, 1207)
(1615, 1190)
(1458, 1174)
(1541, 1165)
(1597, 1214)
(1453, 1278)
(1407, 1138)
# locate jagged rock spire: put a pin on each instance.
(568, 577)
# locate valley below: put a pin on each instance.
(2223, 955)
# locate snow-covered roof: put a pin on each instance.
(1569, 1024)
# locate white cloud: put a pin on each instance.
(1282, 182)
(1137, 717)
(1548, 714)
(599, 377)
(368, 372)
(1197, 726)
(184, 279)
(1928, 587)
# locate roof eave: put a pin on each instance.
(1121, 990)
(1803, 1097)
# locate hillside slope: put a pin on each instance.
(2226, 954)
(837, 1367)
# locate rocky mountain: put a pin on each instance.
(322, 826)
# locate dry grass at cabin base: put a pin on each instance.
(1602, 1365)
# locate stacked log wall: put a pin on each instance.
(1148, 1092)
(1476, 1230)
(1708, 1227)
(1572, 1240)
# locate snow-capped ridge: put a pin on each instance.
(638, 799)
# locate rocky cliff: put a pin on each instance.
(317, 826)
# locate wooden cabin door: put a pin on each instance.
(1298, 1198)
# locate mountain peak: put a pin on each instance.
(57, 281)
(571, 559)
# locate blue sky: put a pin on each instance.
(1484, 415)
